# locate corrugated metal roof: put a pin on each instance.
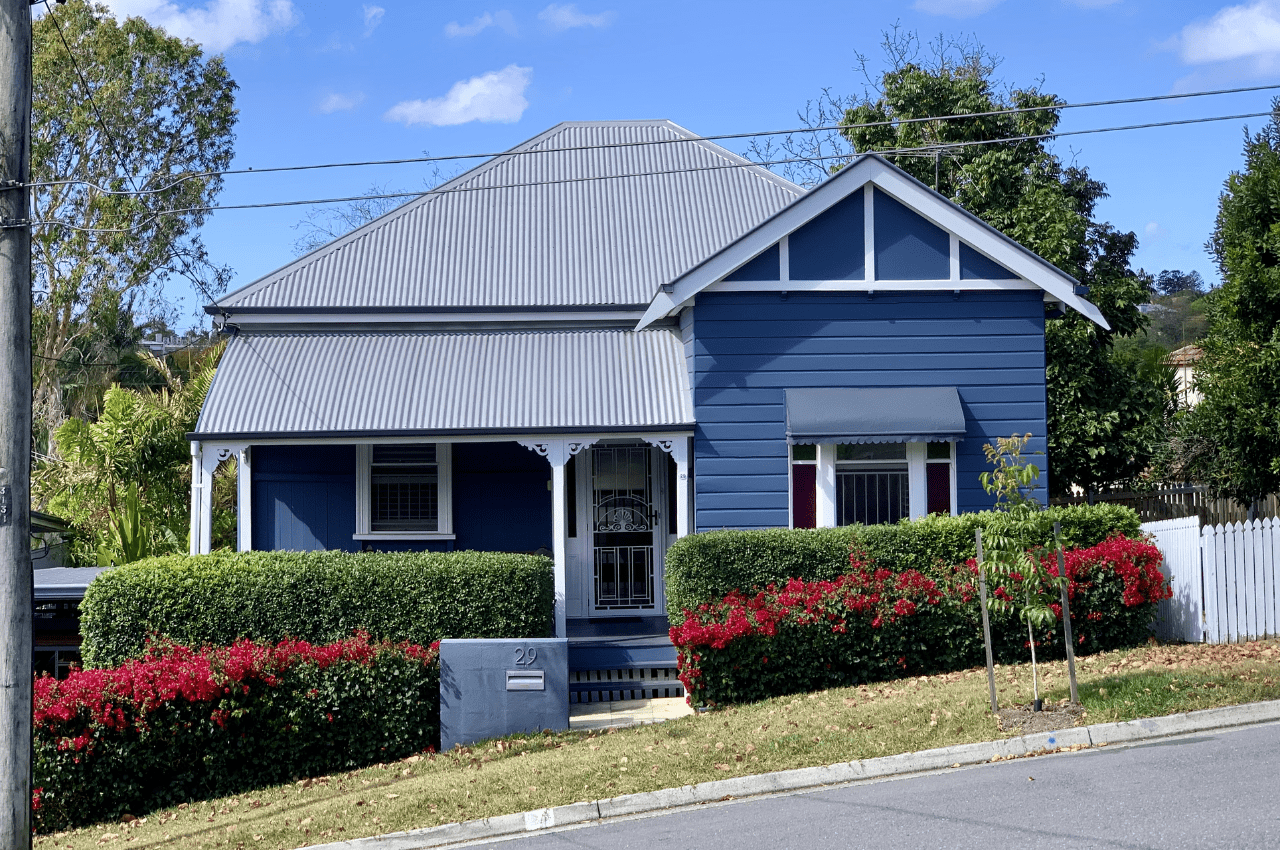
(486, 382)
(585, 233)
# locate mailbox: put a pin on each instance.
(491, 687)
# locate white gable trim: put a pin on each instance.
(870, 169)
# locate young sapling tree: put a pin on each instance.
(1009, 561)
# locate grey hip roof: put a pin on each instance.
(582, 223)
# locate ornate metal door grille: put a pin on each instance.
(623, 521)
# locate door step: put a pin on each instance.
(613, 685)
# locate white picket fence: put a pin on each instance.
(1180, 618)
(1224, 579)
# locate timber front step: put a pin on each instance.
(630, 684)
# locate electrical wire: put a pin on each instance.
(650, 142)
(185, 269)
(929, 151)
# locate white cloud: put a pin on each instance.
(1235, 32)
(567, 16)
(372, 17)
(216, 25)
(501, 19)
(341, 102)
(955, 8)
(1154, 230)
(497, 96)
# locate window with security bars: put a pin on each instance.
(872, 483)
(404, 488)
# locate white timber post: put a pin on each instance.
(557, 453)
(210, 457)
(193, 535)
(678, 448)
(917, 480)
(826, 495)
(244, 499)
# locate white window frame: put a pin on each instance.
(917, 481)
(444, 496)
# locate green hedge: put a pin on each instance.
(705, 567)
(320, 597)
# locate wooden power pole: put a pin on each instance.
(15, 426)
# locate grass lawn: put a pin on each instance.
(843, 724)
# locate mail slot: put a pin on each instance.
(525, 680)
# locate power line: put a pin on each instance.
(650, 142)
(185, 269)
(928, 150)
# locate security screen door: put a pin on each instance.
(624, 521)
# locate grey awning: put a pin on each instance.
(874, 415)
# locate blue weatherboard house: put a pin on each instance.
(615, 334)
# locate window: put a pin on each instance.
(804, 482)
(403, 491)
(870, 483)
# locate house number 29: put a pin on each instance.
(525, 657)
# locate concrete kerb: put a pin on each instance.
(844, 773)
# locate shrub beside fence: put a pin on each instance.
(873, 623)
(320, 597)
(704, 567)
(182, 725)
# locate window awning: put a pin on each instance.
(874, 415)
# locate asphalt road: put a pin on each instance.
(1213, 790)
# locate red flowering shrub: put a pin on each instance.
(872, 624)
(182, 724)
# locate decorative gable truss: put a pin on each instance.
(872, 227)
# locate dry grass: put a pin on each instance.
(518, 774)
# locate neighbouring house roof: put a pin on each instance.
(1188, 355)
(64, 582)
(417, 383)
(1029, 269)
(579, 225)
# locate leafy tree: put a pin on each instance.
(156, 116)
(1231, 439)
(1175, 282)
(124, 480)
(1106, 416)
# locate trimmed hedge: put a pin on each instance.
(872, 624)
(182, 725)
(216, 599)
(705, 567)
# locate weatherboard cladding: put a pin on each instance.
(484, 382)
(752, 347)
(573, 227)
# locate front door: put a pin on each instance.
(625, 530)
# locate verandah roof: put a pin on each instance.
(283, 385)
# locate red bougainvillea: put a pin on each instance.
(182, 723)
(873, 623)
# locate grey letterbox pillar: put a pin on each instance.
(490, 688)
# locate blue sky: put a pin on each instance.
(379, 79)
